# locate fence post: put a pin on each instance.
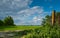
(53, 17)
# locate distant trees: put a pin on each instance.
(1, 23)
(58, 18)
(8, 21)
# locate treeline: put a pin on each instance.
(7, 21)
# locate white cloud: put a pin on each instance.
(14, 4)
(21, 12)
(11, 7)
(36, 19)
(32, 10)
(26, 14)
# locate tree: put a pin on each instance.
(58, 18)
(47, 20)
(1, 23)
(9, 21)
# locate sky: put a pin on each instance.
(28, 12)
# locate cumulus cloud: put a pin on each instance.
(31, 11)
(35, 19)
(11, 5)
(21, 12)
(30, 16)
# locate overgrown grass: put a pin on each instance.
(46, 31)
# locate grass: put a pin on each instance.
(21, 27)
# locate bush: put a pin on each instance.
(45, 32)
(8, 21)
(1, 23)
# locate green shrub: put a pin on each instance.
(45, 32)
(8, 21)
(1, 23)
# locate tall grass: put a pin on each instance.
(45, 32)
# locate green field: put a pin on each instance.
(21, 27)
(30, 31)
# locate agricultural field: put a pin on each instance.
(19, 27)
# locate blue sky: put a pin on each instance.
(47, 4)
(28, 12)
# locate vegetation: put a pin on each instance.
(8, 21)
(21, 27)
(1, 23)
(46, 30)
(47, 19)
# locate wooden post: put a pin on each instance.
(53, 17)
